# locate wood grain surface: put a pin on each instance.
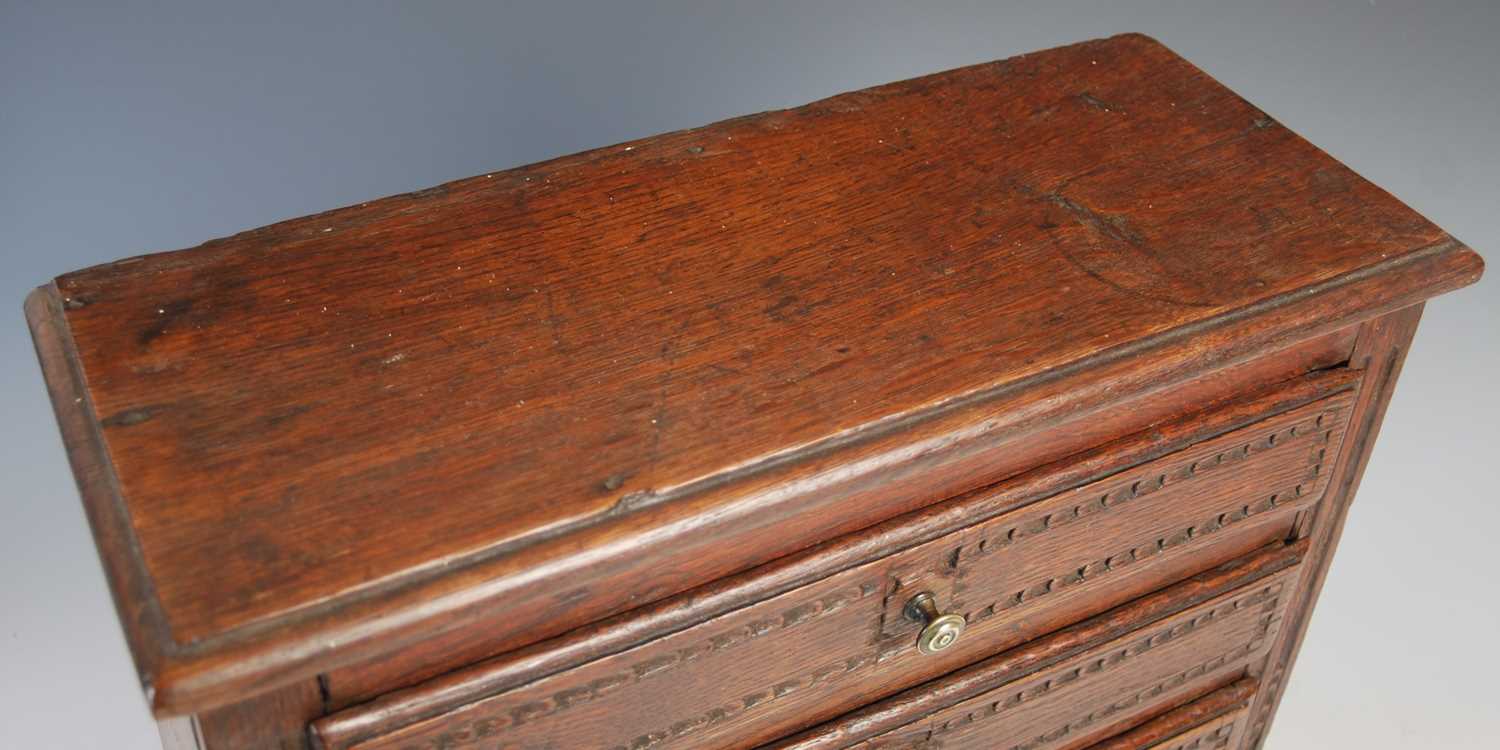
(1092, 696)
(902, 710)
(1213, 721)
(814, 652)
(461, 686)
(1379, 354)
(546, 395)
(1096, 694)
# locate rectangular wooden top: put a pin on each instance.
(307, 442)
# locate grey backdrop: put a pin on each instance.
(124, 130)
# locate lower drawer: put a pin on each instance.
(1093, 693)
(1213, 735)
(1217, 720)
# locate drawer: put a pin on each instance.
(1217, 720)
(1022, 567)
(1101, 692)
(1213, 734)
(1217, 733)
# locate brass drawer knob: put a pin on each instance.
(939, 631)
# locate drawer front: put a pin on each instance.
(1214, 721)
(1095, 695)
(1216, 734)
(825, 648)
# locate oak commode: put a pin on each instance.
(1017, 406)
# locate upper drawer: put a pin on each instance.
(821, 649)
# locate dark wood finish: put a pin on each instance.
(900, 710)
(1016, 576)
(615, 372)
(601, 449)
(1381, 350)
(671, 615)
(1216, 734)
(1239, 395)
(1085, 698)
(1212, 721)
(274, 721)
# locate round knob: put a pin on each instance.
(939, 632)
